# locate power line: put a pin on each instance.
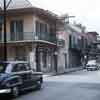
(28, 2)
(1, 4)
(8, 3)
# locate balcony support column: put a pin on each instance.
(37, 57)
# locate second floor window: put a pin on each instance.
(41, 27)
(16, 30)
(70, 41)
(42, 30)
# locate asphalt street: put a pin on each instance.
(80, 85)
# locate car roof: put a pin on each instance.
(14, 62)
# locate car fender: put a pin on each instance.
(13, 81)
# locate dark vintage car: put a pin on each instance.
(17, 76)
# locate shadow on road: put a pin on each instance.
(5, 97)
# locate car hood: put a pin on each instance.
(91, 64)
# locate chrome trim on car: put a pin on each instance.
(5, 91)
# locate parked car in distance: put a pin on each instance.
(17, 76)
(92, 65)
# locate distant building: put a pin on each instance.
(92, 36)
(93, 42)
(72, 52)
(77, 45)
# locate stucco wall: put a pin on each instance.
(27, 19)
(63, 51)
(61, 61)
(10, 53)
(29, 26)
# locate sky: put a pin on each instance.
(86, 12)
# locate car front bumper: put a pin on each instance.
(5, 91)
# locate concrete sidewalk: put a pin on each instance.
(73, 69)
(68, 70)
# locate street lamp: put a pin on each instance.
(66, 17)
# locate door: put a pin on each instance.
(32, 75)
(65, 55)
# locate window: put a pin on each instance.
(20, 53)
(70, 41)
(46, 28)
(16, 29)
(27, 66)
(37, 27)
(41, 27)
(3, 67)
(19, 67)
(74, 41)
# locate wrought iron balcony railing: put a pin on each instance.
(29, 36)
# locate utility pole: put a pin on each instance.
(5, 32)
(66, 18)
(56, 50)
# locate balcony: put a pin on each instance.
(78, 45)
(29, 36)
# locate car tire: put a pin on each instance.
(15, 92)
(39, 83)
(88, 70)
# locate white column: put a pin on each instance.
(32, 57)
(34, 24)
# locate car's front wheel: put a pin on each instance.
(39, 83)
(88, 69)
(15, 91)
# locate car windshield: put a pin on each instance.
(3, 67)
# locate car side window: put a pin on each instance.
(19, 67)
(27, 66)
(9, 68)
(15, 68)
